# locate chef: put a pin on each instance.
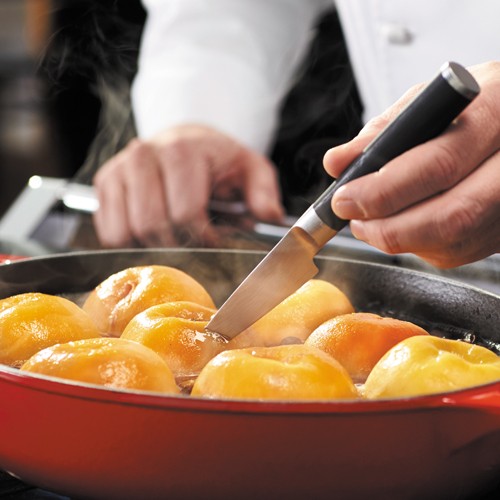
(207, 97)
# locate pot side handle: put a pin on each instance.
(483, 399)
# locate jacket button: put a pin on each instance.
(397, 34)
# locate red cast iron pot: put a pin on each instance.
(88, 442)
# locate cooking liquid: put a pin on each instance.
(186, 382)
(446, 331)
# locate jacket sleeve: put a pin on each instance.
(222, 63)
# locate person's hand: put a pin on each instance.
(157, 192)
(440, 200)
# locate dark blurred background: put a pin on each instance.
(49, 86)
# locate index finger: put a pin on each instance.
(337, 159)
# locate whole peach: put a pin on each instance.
(288, 372)
(115, 301)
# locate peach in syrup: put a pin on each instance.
(117, 299)
(30, 322)
(427, 364)
(288, 372)
(111, 362)
(176, 331)
(296, 317)
(358, 340)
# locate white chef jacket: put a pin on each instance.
(394, 44)
(229, 63)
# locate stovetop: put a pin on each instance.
(12, 488)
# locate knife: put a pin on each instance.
(291, 262)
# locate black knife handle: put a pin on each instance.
(424, 118)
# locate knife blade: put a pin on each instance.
(290, 263)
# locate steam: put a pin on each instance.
(98, 43)
(95, 47)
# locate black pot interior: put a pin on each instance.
(440, 305)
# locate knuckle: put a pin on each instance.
(144, 230)
(387, 240)
(445, 172)
(111, 239)
(137, 148)
(108, 169)
(149, 220)
(375, 195)
(443, 260)
(458, 220)
(136, 155)
(491, 67)
(374, 125)
(176, 150)
(137, 143)
(182, 216)
(141, 156)
(451, 256)
(382, 203)
(114, 242)
(99, 178)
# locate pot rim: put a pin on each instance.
(19, 260)
(485, 396)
